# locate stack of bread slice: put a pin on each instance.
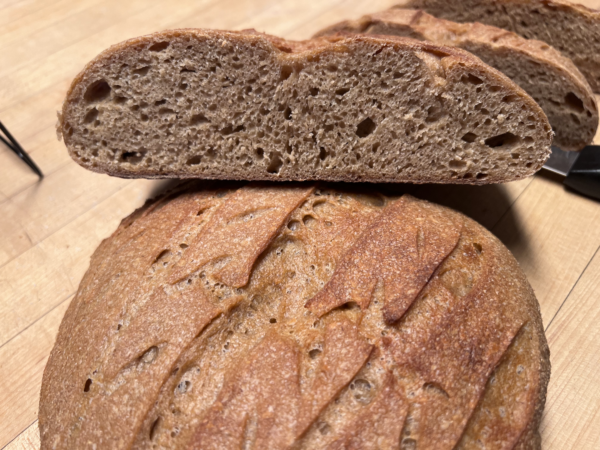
(238, 312)
(542, 71)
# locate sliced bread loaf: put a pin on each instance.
(573, 29)
(214, 104)
(550, 78)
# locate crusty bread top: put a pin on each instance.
(572, 28)
(215, 104)
(227, 316)
(549, 77)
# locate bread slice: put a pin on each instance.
(215, 104)
(571, 28)
(290, 316)
(551, 79)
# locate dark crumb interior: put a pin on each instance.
(205, 105)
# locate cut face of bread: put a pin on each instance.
(573, 29)
(286, 316)
(550, 78)
(212, 104)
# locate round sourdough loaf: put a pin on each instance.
(297, 316)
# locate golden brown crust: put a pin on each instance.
(575, 122)
(161, 346)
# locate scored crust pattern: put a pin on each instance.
(297, 316)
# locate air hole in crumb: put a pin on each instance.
(481, 176)
(342, 92)
(502, 140)
(286, 72)
(457, 164)
(398, 75)
(230, 130)
(472, 79)
(97, 91)
(365, 128)
(314, 91)
(159, 46)
(183, 246)
(574, 102)
(294, 225)
(469, 137)
(260, 153)
(91, 116)
(478, 247)
(154, 428)
(142, 71)
(194, 160)
(276, 163)
(288, 113)
(186, 70)
(510, 98)
(314, 353)
(198, 119)
(272, 320)
(87, 386)
(323, 154)
(434, 113)
(132, 157)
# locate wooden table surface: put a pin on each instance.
(49, 229)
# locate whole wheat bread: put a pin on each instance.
(571, 28)
(215, 104)
(289, 316)
(551, 79)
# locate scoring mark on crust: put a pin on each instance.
(402, 248)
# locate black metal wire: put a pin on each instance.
(12, 143)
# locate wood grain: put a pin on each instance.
(28, 439)
(572, 415)
(49, 229)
